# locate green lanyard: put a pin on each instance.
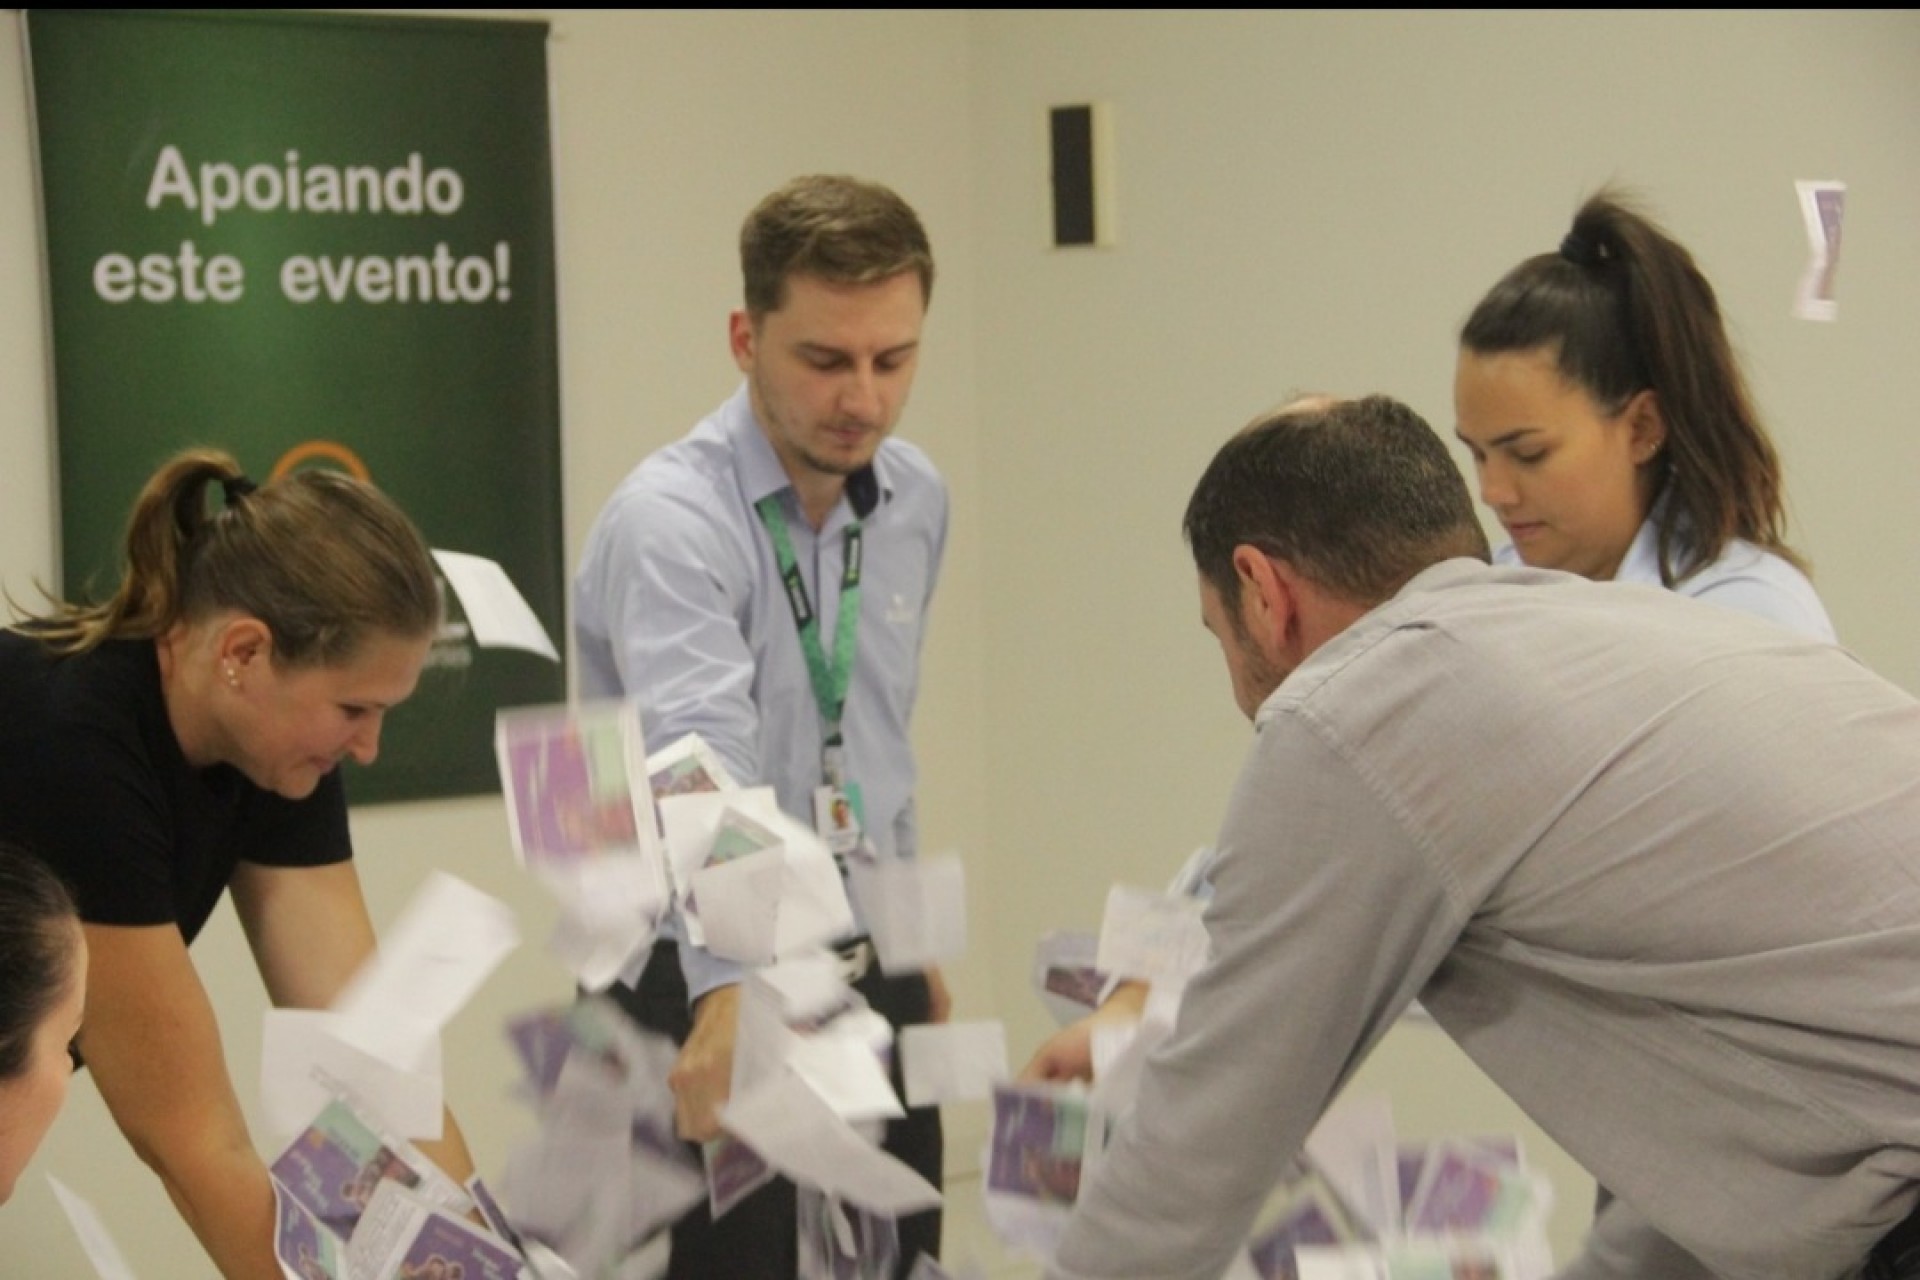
(830, 683)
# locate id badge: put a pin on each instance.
(837, 817)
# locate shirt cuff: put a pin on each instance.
(705, 971)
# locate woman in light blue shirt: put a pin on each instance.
(1613, 434)
(1612, 431)
(1614, 437)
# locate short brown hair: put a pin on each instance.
(840, 229)
(1357, 495)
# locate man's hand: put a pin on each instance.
(1068, 1053)
(702, 1078)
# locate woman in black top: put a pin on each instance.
(180, 740)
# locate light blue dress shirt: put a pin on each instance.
(1744, 577)
(678, 603)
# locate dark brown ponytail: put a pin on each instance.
(1624, 309)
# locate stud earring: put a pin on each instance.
(233, 677)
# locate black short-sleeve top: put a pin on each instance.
(93, 780)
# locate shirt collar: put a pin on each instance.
(1366, 629)
(1642, 561)
(762, 474)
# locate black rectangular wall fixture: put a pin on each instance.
(1073, 203)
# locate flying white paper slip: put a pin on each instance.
(556, 1180)
(1822, 208)
(952, 1061)
(806, 987)
(576, 1178)
(687, 765)
(914, 908)
(1163, 1001)
(1119, 1058)
(739, 905)
(1107, 1048)
(691, 820)
(814, 910)
(787, 1124)
(1151, 935)
(1065, 976)
(1355, 1149)
(762, 1040)
(610, 909)
(842, 1064)
(841, 1059)
(446, 942)
(574, 779)
(813, 900)
(500, 616)
(304, 1064)
(92, 1231)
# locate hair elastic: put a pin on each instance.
(1580, 250)
(235, 488)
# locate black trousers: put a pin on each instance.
(758, 1239)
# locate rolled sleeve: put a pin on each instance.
(658, 602)
(659, 599)
(1325, 922)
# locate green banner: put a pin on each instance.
(314, 241)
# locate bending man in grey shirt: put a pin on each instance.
(1654, 865)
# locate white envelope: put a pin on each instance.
(1355, 1149)
(806, 986)
(95, 1239)
(842, 1065)
(788, 1126)
(446, 942)
(813, 907)
(304, 1063)
(690, 820)
(610, 909)
(952, 1061)
(739, 905)
(1151, 935)
(814, 910)
(499, 615)
(915, 909)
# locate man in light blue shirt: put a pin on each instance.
(764, 582)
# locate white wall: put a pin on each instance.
(1307, 201)
(1314, 201)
